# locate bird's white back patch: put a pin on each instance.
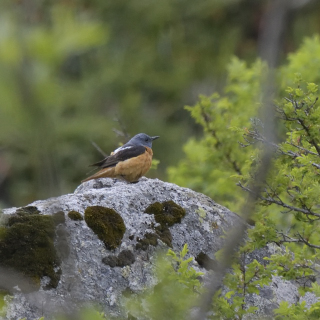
(122, 148)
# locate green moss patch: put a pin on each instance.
(164, 235)
(27, 210)
(149, 239)
(124, 258)
(75, 215)
(26, 245)
(107, 224)
(166, 213)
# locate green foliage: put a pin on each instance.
(154, 164)
(288, 212)
(246, 278)
(211, 161)
(294, 266)
(92, 315)
(304, 62)
(2, 303)
(298, 311)
(184, 274)
(75, 71)
(72, 72)
(38, 122)
(292, 187)
(177, 289)
(264, 230)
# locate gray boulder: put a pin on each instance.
(100, 241)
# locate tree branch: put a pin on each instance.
(312, 141)
(257, 136)
(300, 239)
(302, 149)
(281, 203)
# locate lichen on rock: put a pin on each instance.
(107, 224)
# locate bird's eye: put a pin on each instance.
(146, 139)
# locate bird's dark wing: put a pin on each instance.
(122, 155)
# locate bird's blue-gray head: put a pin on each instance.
(142, 139)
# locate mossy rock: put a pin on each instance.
(166, 213)
(149, 239)
(107, 224)
(111, 261)
(164, 235)
(75, 215)
(124, 258)
(27, 210)
(27, 246)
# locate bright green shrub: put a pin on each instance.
(221, 164)
(211, 161)
(175, 293)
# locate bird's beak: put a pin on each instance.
(155, 137)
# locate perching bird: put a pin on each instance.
(129, 162)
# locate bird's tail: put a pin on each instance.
(104, 173)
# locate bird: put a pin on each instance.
(129, 162)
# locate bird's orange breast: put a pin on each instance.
(134, 168)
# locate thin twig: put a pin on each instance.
(302, 149)
(312, 141)
(280, 203)
(300, 239)
(99, 149)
